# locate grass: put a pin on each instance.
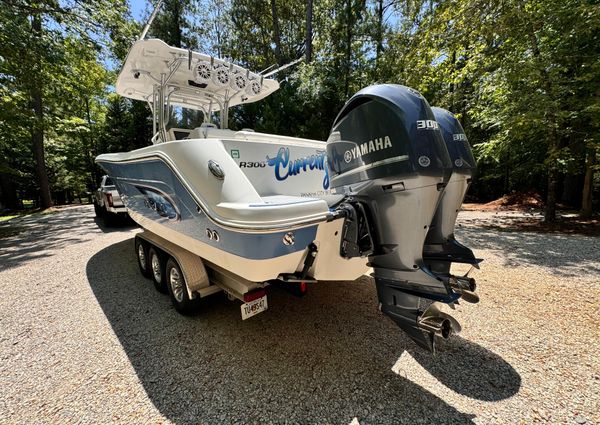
(26, 213)
(27, 209)
(8, 217)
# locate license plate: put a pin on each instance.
(254, 307)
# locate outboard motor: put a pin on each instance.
(441, 247)
(387, 155)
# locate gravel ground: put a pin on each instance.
(85, 339)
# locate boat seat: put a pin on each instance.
(210, 131)
(276, 209)
(178, 133)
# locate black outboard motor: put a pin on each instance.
(387, 155)
(441, 247)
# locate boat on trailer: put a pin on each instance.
(238, 210)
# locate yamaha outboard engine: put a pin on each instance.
(441, 248)
(387, 155)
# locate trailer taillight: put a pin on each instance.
(303, 287)
(254, 295)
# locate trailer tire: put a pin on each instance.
(141, 253)
(157, 268)
(178, 289)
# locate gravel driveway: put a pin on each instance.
(84, 338)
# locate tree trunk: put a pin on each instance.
(92, 147)
(349, 25)
(550, 210)
(379, 36)
(37, 132)
(452, 86)
(507, 161)
(588, 184)
(218, 28)
(309, 32)
(553, 140)
(276, 33)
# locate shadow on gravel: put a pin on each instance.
(38, 236)
(471, 370)
(114, 224)
(565, 255)
(324, 358)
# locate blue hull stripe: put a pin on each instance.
(177, 210)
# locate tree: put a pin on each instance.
(522, 77)
(34, 36)
(516, 73)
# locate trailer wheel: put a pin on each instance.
(178, 289)
(157, 268)
(141, 253)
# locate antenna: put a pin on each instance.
(281, 68)
(147, 27)
(268, 68)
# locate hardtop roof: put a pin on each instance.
(188, 84)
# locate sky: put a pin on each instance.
(138, 7)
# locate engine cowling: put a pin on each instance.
(386, 131)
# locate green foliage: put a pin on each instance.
(522, 76)
(52, 51)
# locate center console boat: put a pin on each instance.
(381, 195)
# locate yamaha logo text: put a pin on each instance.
(366, 148)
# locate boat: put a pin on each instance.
(381, 195)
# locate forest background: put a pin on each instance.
(523, 77)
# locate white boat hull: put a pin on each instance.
(188, 205)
